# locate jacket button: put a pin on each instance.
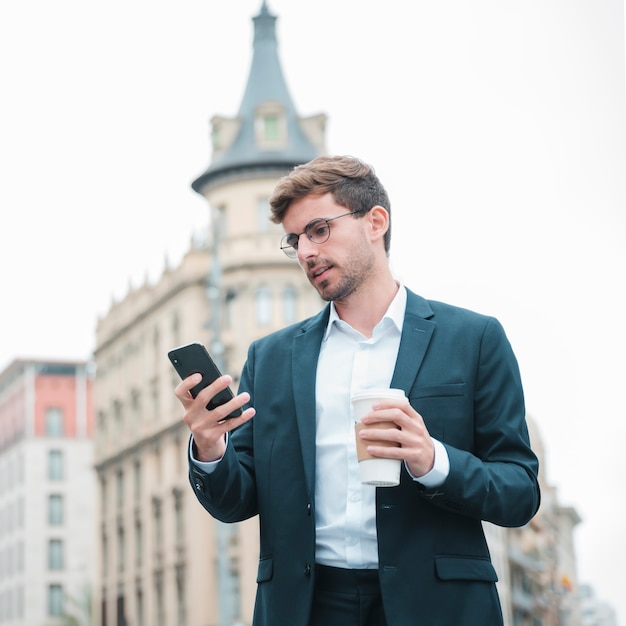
(308, 510)
(307, 569)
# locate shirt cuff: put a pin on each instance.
(208, 467)
(441, 468)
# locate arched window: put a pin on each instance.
(290, 304)
(263, 300)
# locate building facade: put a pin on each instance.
(538, 576)
(47, 487)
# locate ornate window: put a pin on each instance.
(263, 302)
(270, 126)
(290, 304)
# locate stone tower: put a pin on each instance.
(261, 290)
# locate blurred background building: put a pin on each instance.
(595, 612)
(47, 487)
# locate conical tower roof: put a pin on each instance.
(266, 87)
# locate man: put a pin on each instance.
(334, 552)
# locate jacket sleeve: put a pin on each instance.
(229, 492)
(493, 473)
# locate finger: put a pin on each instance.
(233, 422)
(390, 435)
(183, 388)
(387, 452)
(388, 403)
(208, 392)
(223, 412)
(387, 414)
(207, 432)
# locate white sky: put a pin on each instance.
(499, 129)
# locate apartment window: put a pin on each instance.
(55, 465)
(121, 549)
(20, 469)
(20, 513)
(55, 510)
(119, 487)
(103, 494)
(55, 600)
(139, 607)
(54, 422)
(121, 612)
(234, 588)
(154, 395)
(216, 135)
(102, 421)
(10, 474)
(8, 517)
(19, 555)
(118, 415)
(105, 554)
(55, 554)
(138, 543)
(135, 405)
(103, 608)
(271, 127)
(229, 307)
(137, 476)
(158, 525)
(19, 602)
(263, 300)
(179, 517)
(290, 298)
(180, 595)
(160, 604)
(10, 563)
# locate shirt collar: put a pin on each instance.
(395, 312)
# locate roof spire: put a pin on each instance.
(267, 132)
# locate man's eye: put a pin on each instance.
(292, 241)
(315, 231)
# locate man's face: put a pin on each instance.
(338, 266)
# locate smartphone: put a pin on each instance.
(193, 358)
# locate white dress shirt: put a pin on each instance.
(345, 508)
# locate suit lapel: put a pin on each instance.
(417, 331)
(306, 349)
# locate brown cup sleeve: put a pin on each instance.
(361, 445)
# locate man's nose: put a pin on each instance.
(306, 248)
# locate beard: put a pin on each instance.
(352, 274)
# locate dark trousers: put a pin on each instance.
(345, 597)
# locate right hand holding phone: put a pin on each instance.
(209, 427)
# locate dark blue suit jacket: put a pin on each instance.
(459, 372)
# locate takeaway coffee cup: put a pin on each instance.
(374, 470)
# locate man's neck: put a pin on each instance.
(364, 308)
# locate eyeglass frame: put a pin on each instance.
(291, 251)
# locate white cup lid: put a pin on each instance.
(377, 393)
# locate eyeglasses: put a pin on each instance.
(317, 231)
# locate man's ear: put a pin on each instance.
(379, 222)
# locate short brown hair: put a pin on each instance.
(352, 183)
